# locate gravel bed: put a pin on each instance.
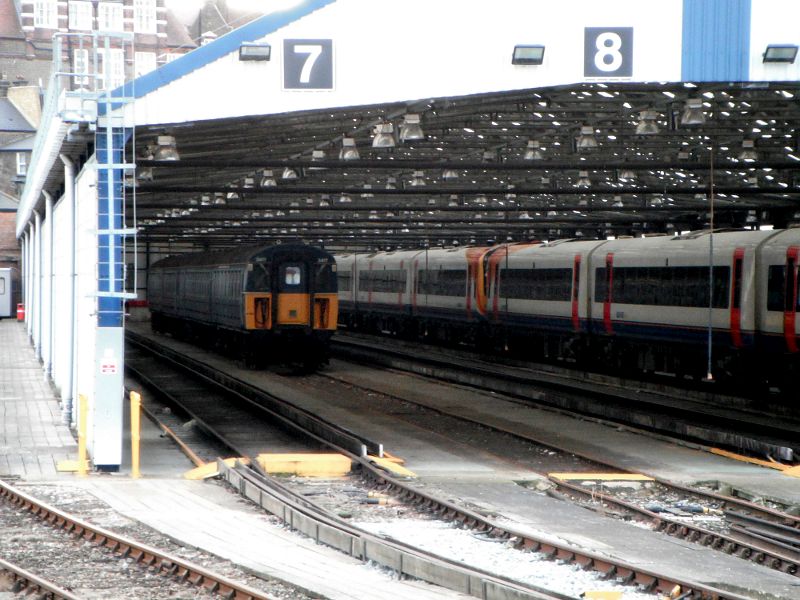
(93, 573)
(348, 498)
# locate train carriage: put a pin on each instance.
(631, 304)
(263, 303)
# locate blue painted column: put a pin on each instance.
(716, 40)
(107, 422)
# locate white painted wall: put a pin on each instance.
(774, 22)
(416, 49)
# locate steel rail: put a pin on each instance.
(143, 555)
(745, 544)
(280, 409)
(626, 573)
(580, 396)
(25, 582)
(756, 548)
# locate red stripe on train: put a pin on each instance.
(790, 311)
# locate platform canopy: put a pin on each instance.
(366, 124)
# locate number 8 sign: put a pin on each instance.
(608, 52)
(308, 64)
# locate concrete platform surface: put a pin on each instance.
(33, 435)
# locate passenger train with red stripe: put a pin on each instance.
(636, 304)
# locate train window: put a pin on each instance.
(324, 278)
(776, 276)
(291, 276)
(443, 282)
(260, 279)
(345, 281)
(389, 281)
(2, 285)
(663, 286)
(536, 284)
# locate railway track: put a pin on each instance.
(694, 417)
(746, 529)
(406, 492)
(150, 559)
(16, 580)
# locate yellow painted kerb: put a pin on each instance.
(305, 465)
(390, 465)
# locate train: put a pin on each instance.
(264, 304)
(9, 292)
(718, 305)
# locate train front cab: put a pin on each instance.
(292, 296)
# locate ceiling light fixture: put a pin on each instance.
(349, 150)
(583, 179)
(693, 112)
(586, 138)
(267, 179)
(748, 152)
(449, 175)
(384, 136)
(289, 173)
(167, 149)
(647, 123)
(411, 128)
(533, 152)
(418, 179)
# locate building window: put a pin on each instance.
(170, 56)
(144, 16)
(109, 16)
(111, 68)
(145, 62)
(45, 14)
(80, 15)
(80, 66)
(22, 163)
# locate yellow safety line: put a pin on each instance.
(791, 471)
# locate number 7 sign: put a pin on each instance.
(308, 64)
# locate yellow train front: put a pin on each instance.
(263, 304)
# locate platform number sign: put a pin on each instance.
(308, 64)
(608, 52)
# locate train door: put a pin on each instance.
(791, 298)
(294, 304)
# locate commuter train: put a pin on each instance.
(623, 305)
(263, 304)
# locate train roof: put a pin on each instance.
(238, 256)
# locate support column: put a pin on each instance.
(29, 283)
(47, 285)
(110, 349)
(69, 416)
(37, 286)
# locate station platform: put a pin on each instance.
(199, 514)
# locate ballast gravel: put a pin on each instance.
(93, 573)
